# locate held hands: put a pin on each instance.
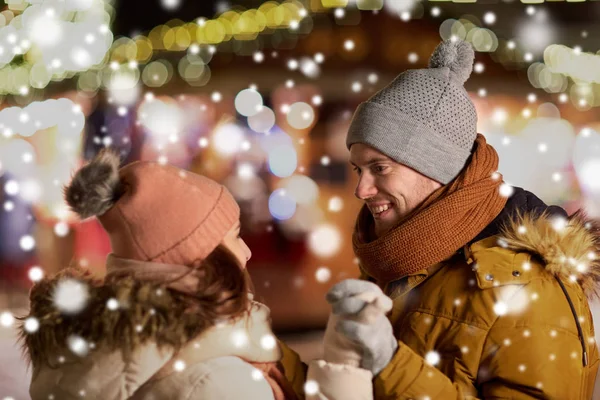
(358, 332)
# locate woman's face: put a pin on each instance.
(234, 243)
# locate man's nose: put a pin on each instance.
(365, 189)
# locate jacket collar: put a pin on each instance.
(568, 248)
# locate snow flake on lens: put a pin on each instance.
(70, 296)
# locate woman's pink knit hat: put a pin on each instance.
(153, 212)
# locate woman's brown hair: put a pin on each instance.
(149, 311)
(223, 289)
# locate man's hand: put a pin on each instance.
(358, 331)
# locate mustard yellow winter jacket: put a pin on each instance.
(506, 318)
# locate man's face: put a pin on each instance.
(390, 190)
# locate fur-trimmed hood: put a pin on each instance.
(128, 333)
(569, 247)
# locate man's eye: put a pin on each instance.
(356, 169)
(380, 168)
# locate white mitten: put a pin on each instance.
(361, 304)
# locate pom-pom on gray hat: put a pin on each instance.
(424, 118)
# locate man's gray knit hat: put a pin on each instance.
(424, 118)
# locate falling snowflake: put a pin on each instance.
(311, 387)
(179, 365)
(298, 281)
(268, 342)
(216, 97)
(335, 204)
(257, 375)
(6, 319)
(258, 57)
(432, 357)
(78, 345)
(27, 242)
(112, 304)
(239, 338)
(325, 240)
(534, 296)
(323, 274)
(500, 308)
(489, 18)
(70, 296)
(31, 325)
(506, 190)
(35, 274)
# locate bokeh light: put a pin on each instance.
(262, 121)
(300, 115)
(228, 138)
(303, 189)
(248, 102)
(283, 160)
(281, 204)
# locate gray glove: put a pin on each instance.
(360, 309)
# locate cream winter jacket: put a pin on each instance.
(211, 366)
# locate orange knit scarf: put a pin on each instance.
(449, 218)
